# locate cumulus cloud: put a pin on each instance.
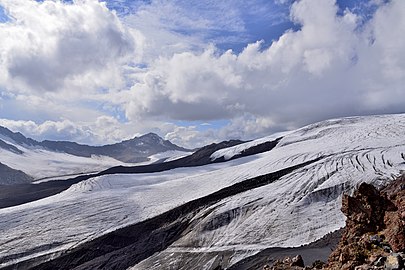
(188, 136)
(49, 129)
(103, 130)
(333, 63)
(51, 45)
(332, 66)
(177, 26)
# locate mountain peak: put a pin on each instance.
(150, 138)
(133, 150)
(151, 135)
(17, 137)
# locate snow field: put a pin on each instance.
(296, 209)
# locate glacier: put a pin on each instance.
(298, 208)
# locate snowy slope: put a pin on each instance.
(41, 163)
(297, 209)
(164, 157)
(93, 207)
(50, 160)
(302, 206)
(230, 152)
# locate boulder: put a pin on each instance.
(394, 262)
(297, 261)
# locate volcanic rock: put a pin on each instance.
(374, 228)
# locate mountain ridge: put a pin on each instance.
(133, 150)
(11, 176)
(47, 160)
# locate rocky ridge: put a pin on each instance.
(374, 236)
(10, 176)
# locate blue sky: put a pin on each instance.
(3, 16)
(261, 19)
(112, 72)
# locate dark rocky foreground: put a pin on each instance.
(130, 245)
(23, 193)
(374, 236)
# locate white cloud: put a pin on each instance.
(187, 136)
(48, 129)
(103, 130)
(334, 65)
(52, 46)
(328, 68)
(194, 15)
(179, 26)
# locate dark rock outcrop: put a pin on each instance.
(10, 176)
(10, 147)
(375, 229)
(395, 220)
(374, 236)
(294, 263)
(17, 137)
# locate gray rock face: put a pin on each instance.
(133, 150)
(17, 137)
(10, 147)
(9, 176)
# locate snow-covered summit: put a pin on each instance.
(54, 159)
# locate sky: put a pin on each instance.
(195, 71)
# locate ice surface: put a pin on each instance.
(165, 156)
(228, 153)
(45, 165)
(98, 205)
(40, 163)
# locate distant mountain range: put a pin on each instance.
(50, 159)
(134, 150)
